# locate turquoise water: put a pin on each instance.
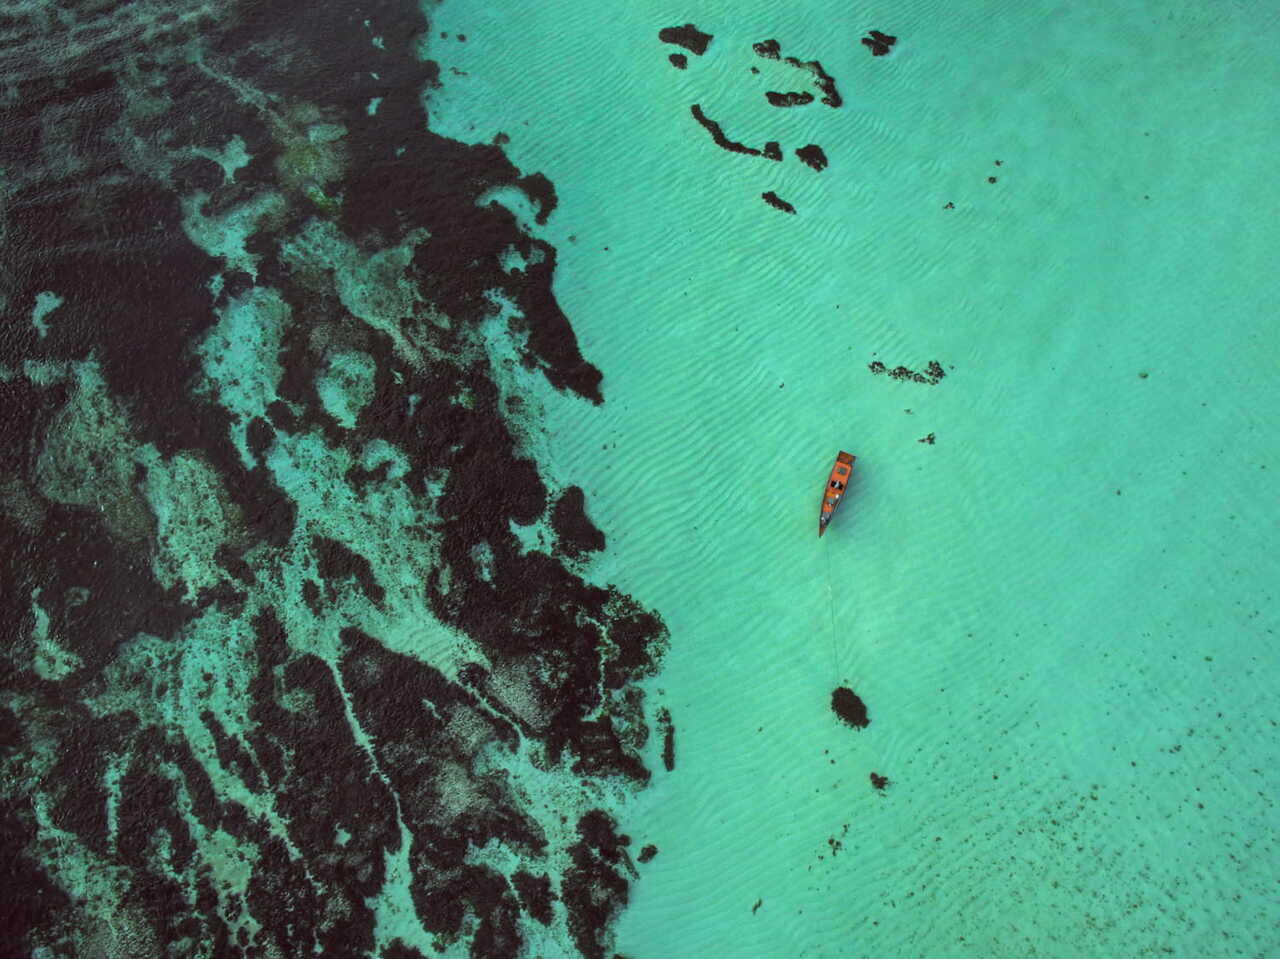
(356, 605)
(1061, 614)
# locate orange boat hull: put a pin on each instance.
(837, 486)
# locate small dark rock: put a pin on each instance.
(813, 156)
(878, 781)
(777, 202)
(679, 60)
(878, 43)
(647, 852)
(851, 710)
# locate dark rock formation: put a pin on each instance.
(647, 853)
(337, 562)
(593, 891)
(575, 532)
(769, 49)
(788, 99)
(535, 894)
(878, 43)
(777, 202)
(772, 50)
(717, 134)
(813, 156)
(668, 730)
(678, 60)
(772, 151)
(878, 781)
(849, 708)
(688, 36)
(826, 83)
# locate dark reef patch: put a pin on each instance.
(183, 544)
(679, 61)
(825, 82)
(535, 894)
(688, 36)
(593, 891)
(338, 563)
(878, 43)
(575, 533)
(718, 136)
(813, 156)
(398, 950)
(879, 782)
(769, 49)
(777, 202)
(846, 704)
(668, 730)
(231, 754)
(772, 50)
(788, 99)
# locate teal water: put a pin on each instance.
(341, 619)
(1061, 614)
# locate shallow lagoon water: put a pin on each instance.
(271, 684)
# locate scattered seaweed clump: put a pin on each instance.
(933, 373)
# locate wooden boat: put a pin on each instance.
(833, 495)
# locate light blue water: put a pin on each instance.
(1061, 614)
